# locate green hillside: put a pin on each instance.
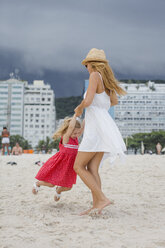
(65, 106)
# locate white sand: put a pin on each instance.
(136, 220)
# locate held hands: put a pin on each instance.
(78, 110)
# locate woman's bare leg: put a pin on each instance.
(87, 177)
(93, 167)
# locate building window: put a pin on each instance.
(3, 93)
(16, 93)
(15, 103)
(17, 87)
(16, 98)
(3, 87)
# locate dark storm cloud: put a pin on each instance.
(56, 35)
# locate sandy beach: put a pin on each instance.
(137, 219)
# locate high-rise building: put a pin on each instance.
(39, 112)
(27, 109)
(142, 110)
(12, 105)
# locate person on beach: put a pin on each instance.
(17, 150)
(158, 148)
(5, 140)
(101, 134)
(58, 170)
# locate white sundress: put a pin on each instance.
(101, 133)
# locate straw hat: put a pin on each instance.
(95, 55)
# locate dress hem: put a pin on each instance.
(56, 184)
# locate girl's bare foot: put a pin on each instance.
(35, 188)
(57, 195)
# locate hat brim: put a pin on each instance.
(85, 61)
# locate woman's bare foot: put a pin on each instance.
(102, 204)
(86, 212)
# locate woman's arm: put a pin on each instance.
(92, 87)
(113, 98)
(70, 129)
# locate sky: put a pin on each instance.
(48, 39)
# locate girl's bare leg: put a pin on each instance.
(59, 190)
(87, 177)
(42, 183)
(62, 189)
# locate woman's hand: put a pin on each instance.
(78, 110)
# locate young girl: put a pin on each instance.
(58, 170)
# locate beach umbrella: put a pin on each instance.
(142, 147)
(163, 150)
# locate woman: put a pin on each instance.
(101, 134)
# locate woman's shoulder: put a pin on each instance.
(95, 74)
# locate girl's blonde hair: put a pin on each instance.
(109, 80)
(63, 128)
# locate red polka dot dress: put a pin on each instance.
(58, 170)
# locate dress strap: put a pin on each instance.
(101, 80)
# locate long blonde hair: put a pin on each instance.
(63, 128)
(109, 80)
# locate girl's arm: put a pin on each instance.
(82, 128)
(92, 87)
(69, 130)
(113, 98)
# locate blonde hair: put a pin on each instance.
(109, 80)
(63, 128)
